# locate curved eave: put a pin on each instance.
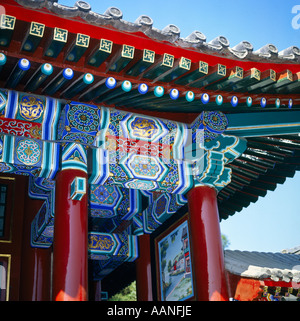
(267, 161)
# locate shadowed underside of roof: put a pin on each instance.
(266, 162)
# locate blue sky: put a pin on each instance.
(273, 222)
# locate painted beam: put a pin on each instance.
(196, 74)
(56, 42)
(78, 48)
(258, 124)
(33, 37)
(214, 73)
(144, 63)
(7, 26)
(122, 58)
(101, 53)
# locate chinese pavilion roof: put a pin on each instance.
(81, 55)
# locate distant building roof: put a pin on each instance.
(261, 265)
(294, 250)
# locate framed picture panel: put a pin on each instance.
(173, 263)
(4, 276)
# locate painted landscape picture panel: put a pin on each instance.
(175, 269)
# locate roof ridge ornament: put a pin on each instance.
(60, 9)
(267, 51)
(219, 43)
(144, 20)
(291, 53)
(114, 12)
(196, 36)
(242, 49)
(83, 6)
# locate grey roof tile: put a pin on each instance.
(261, 265)
(220, 45)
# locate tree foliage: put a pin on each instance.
(126, 294)
(225, 242)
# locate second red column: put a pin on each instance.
(70, 263)
(206, 243)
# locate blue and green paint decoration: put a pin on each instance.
(131, 160)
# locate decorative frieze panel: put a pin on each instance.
(37, 116)
(73, 156)
(107, 201)
(139, 166)
(127, 150)
(142, 153)
(20, 128)
(161, 206)
(79, 123)
(29, 156)
(108, 251)
(211, 168)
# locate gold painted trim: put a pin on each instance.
(37, 29)
(82, 40)
(7, 241)
(203, 67)
(8, 178)
(127, 51)
(3, 22)
(106, 45)
(148, 55)
(60, 35)
(185, 63)
(7, 274)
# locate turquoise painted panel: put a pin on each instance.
(78, 188)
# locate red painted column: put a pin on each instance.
(41, 274)
(70, 263)
(143, 270)
(35, 276)
(206, 244)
